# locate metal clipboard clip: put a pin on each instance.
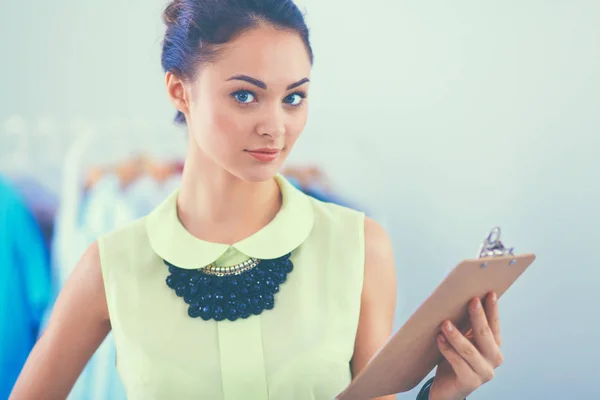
(493, 247)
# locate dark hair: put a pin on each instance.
(197, 28)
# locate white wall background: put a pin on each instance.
(444, 118)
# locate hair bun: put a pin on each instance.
(173, 11)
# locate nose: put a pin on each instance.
(272, 123)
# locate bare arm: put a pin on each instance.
(78, 325)
(378, 301)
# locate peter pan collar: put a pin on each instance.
(288, 230)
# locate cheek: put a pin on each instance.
(296, 126)
(222, 128)
(227, 125)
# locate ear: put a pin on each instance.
(177, 90)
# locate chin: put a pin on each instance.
(257, 174)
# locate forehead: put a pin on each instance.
(275, 56)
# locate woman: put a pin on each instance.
(239, 286)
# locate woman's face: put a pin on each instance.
(247, 109)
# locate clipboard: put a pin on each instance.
(412, 353)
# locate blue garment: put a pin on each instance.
(25, 285)
(40, 200)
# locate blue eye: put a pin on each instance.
(243, 96)
(294, 99)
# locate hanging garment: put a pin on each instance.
(25, 284)
(40, 200)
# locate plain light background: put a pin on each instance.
(442, 118)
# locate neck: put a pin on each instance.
(216, 206)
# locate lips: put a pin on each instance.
(264, 154)
(265, 150)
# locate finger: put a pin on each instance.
(469, 334)
(491, 310)
(482, 333)
(468, 352)
(467, 379)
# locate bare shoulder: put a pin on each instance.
(380, 270)
(90, 262)
(87, 282)
(378, 246)
(78, 324)
(82, 292)
(378, 298)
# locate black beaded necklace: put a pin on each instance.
(232, 292)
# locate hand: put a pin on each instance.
(469, 360)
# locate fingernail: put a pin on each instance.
(477, 303)
(448, 326)
(494, 297)
(441, 338)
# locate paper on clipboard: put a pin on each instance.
(412, 353)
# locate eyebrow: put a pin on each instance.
(262, 85)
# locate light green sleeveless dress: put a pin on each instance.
(299, 350)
